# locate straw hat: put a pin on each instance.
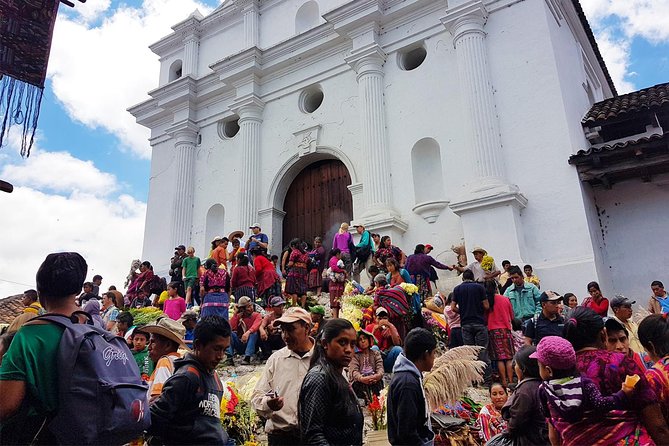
(168, 328)
(235, 234)
(479, 249)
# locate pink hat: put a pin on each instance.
(556, 353)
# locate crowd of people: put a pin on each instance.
(559, 371)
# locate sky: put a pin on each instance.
(84, 187)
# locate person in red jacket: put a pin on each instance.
(596, 301)
(245, 325)
(268, 282)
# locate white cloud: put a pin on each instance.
(61, 203)
(617, 22)
(99, 71)
(91, 10)
(59, 172)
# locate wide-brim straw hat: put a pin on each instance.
(168, 328)
(479, 249)
(235, 234)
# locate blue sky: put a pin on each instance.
(86, 184)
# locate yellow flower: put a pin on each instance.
(487, 262)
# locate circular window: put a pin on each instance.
(311, 99)
(413, 58)
(228, 128)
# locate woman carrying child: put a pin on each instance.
(366, 368)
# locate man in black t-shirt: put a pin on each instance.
(470, 301)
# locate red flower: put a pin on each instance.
(375, 404)
(233, 401)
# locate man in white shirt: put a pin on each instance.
(277, 392)
(480, 275)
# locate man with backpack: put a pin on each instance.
(37, 406)
(188, 411)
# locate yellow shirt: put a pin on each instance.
(534, 280)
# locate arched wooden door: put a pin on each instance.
(317, 202)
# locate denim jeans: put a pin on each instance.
(477, 334)
(389, 357)
(238, 346)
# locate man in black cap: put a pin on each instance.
(548, 322)
(175, 263)
(622, 312)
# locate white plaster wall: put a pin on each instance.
(633, 237)
(166, 63)
(157, 236)
(277, 21)
(220, 43)
(537, 132)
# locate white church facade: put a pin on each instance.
(432, 121)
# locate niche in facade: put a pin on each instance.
(228, 128)
(214, 223)
(175, 70)
(412, 57)
(307, 17)
(311, 99)
(428, 181)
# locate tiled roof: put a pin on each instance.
(10, 307)
(593, 43)
(619, 145)
(646, 99)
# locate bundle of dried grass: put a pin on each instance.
(452, 373)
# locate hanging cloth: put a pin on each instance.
(26, 31)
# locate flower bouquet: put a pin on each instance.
(146, 315)
(377, 409)
(487, 262)
(238, 418)
(409, 288)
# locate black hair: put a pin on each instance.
(497, 384)
(594, 285)
(583, 328)
(490, 290)
(528, 267)
(515, 269)
(393, 261)
(210, 264)
(147, 264)
(334, 252)
(331, 329)
(209, 327)
(295, 243)
(420, 249)
(274, 257)
(529, 366)
(566, 297)
(516, 324)
(373, 270)
(97, 277)
(374, 234)
(225, 239)
(657, 283)
(61, 275)
(235, 241)
(613, 326)
(468, 274)
(32, 294)
(242, 259)
(506, 262)
(141, 333)
(654, 332)
(418, 341)
(112, 288)
(564, 373)
(88, 284)
(126, 317)
(382, 243)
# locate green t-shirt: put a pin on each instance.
(143, 361)
(32, 358)
(191, 264)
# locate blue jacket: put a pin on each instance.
(408, 415)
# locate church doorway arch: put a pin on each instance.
(317, 202)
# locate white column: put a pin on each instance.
(368, 63)
(191, 54)
(469, 40)
(251, 25)
(250, 118)
(182, 204)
